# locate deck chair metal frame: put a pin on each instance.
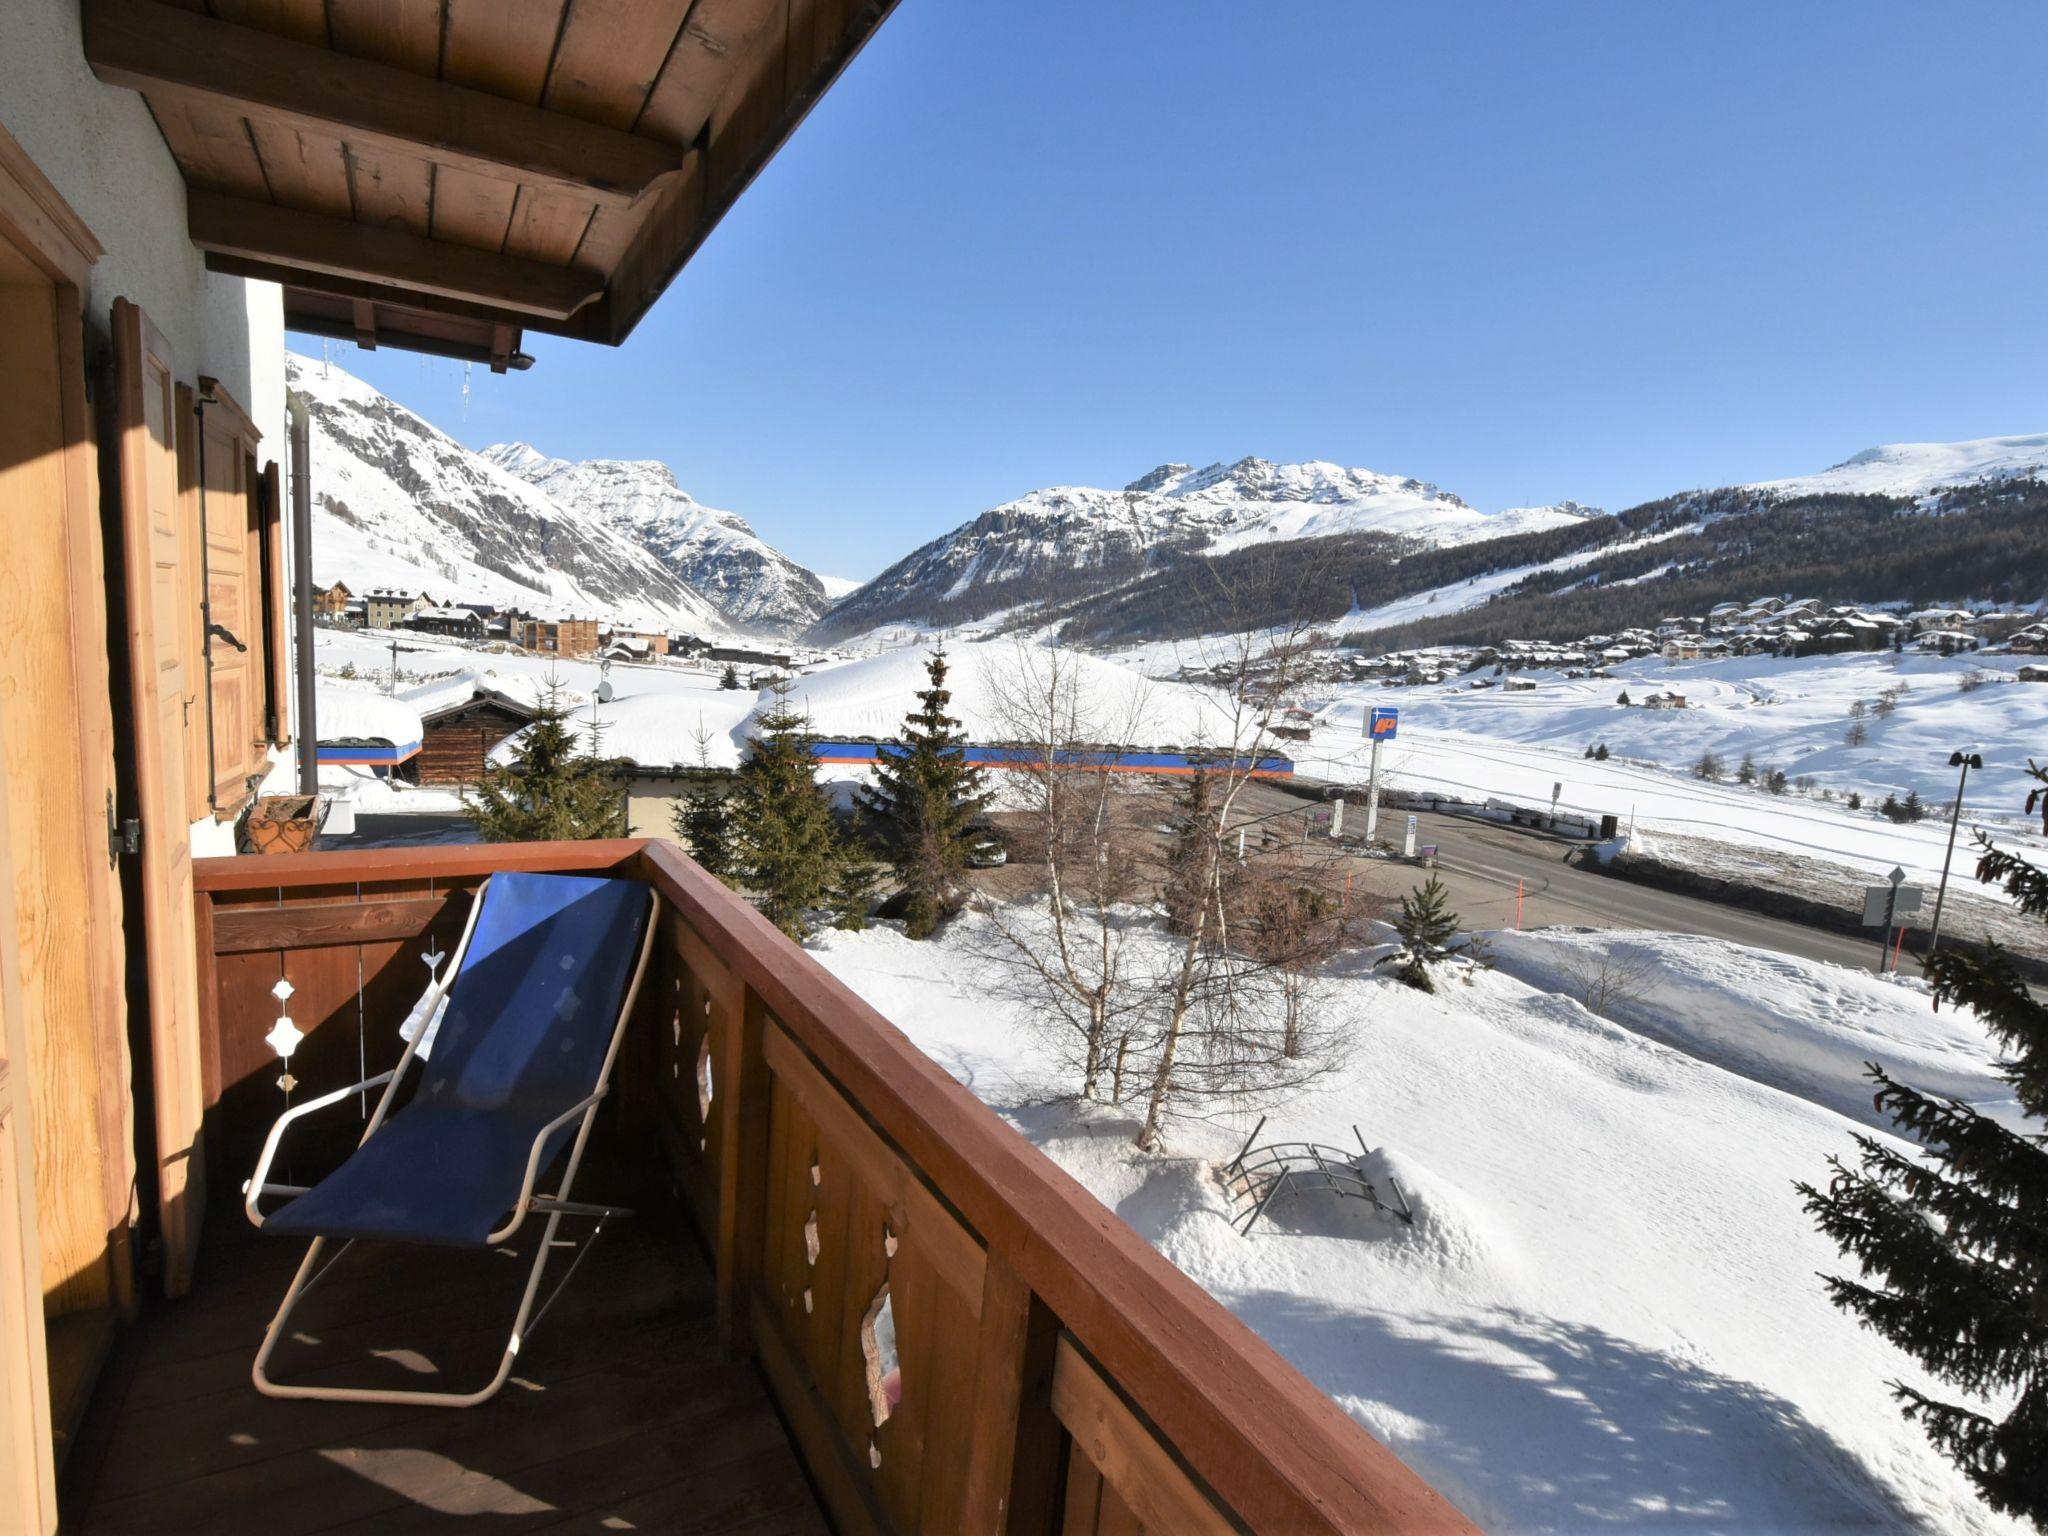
(555, 1207)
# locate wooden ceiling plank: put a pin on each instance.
(363, 316)
(309, 242)
(304, 169)
(611, 53)
(405, 34)
(211, 145)
(303, 21)
(700, 69)
(396, 191)
(547, 228)
(168, 53)
(502, 46)
(472, 210)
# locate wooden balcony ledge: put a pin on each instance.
(800, 1170)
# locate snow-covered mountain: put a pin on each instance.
(397, 502)
(1914, 469)
(754, 585)
(1065, 540)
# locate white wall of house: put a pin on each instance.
(100, 146)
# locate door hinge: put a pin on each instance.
(122, 836)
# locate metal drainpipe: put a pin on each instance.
(203, 400)
(307, 734)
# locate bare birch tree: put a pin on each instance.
(1066, 954)
(1214, 1035)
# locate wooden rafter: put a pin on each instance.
(166, 52)
(314, 243)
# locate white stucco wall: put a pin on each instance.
(100, 146)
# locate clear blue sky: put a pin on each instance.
(1604, 251)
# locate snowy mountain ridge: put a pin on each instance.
(399, 503)
(1055, 541)
(752, 583)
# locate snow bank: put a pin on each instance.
(1804, 1026)
(1608, 1317)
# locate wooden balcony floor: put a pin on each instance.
(620, 1414)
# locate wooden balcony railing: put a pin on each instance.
(1054, 1373)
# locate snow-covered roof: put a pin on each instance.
(456, 615)
(345, 714)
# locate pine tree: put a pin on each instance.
(704, 823)
(552, 788)
(1600, 753)
(786, 849)
(922, 805)
(1426, 925)
(730, 677)
(1954, 1238)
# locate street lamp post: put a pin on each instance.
(1965, 761)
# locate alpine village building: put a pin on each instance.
(179, 185)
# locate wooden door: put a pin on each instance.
(161, 588)
(28, 1491)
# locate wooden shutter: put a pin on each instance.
(232, 646)
(157, 543)
(277, 655)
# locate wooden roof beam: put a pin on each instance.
(162, 50)
(295, 241)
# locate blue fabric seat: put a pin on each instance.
(529, 1023)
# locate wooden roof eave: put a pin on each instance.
(444, 177)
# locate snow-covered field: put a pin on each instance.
(1467, 743)
(1606, 1316)
(1789, 714)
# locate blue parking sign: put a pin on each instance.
(1384, 724)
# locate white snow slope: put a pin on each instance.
(755, 585)
(1607, 1316)
(1913, 469)
(399, 503)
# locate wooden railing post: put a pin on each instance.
(741, 1105)
(1013, 1465)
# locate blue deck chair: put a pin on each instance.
(531, 1009)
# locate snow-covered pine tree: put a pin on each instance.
(1954, 1241)
(553, 788)
(1426, 925)
(786, 848)
(922, 805)
(730, 677)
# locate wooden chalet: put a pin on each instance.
(458, 736)
(178, 183)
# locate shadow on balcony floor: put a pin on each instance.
(620, 1415)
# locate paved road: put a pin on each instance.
(1483, 864)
